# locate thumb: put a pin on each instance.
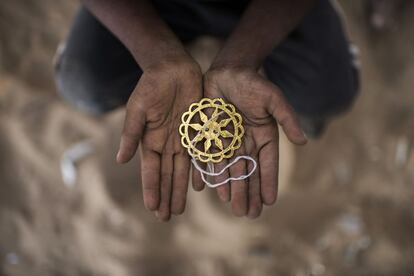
(286, 117)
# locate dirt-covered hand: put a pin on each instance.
(153, 115)
(262, 105)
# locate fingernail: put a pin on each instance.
(160, 218)
(118, 156)
(304, 138)
(157, 215)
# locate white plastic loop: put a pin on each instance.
(212, 173)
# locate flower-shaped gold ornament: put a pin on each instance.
(211, 138)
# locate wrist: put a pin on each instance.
(234, 55)
(176, 66)
(160, 53)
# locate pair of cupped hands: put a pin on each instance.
(153, 115)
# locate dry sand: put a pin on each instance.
(345, 206)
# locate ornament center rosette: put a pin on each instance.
(211, 130)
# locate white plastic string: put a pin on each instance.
(210, 166)
(212, 173)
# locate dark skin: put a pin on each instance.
(172, 80)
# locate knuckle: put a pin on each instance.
(169, 151)
(170, 148)
(134, 102)
(150, 190)
(166, 177)
(283, 120)
(131, 134)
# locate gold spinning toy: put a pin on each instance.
(223, 128)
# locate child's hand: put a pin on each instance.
(153, 116)
(260, 103)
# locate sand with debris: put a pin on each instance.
(345, 206)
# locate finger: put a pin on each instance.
(223, 191)
(180, 183)
(131, 135)
(281, 111)
(268, 160)
(150, 171)
(239, 189)
(197, 181)
(163, 212)
(255, 198)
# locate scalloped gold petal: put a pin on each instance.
(226, 134)
(196, 126)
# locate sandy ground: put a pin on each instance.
(345, 206)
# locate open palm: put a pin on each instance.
(261, 105)
(153, 114)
